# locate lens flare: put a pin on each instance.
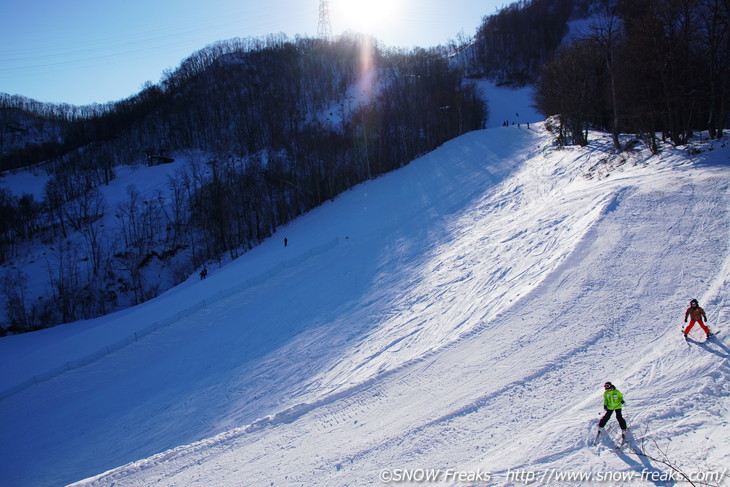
(364, 15)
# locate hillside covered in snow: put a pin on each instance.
(454, 318)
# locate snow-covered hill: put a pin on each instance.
(461, 313)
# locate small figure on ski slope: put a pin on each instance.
(696, 315)
(613, 401)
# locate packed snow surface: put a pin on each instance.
(455, 318)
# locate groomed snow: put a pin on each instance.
(461, 313)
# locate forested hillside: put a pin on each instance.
(269, 128)
(512, 44)
(633, 66)
(272, 128)
(647, 67)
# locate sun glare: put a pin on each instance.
(364, 15)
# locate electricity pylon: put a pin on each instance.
(324, 28)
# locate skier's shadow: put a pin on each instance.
(640, 462)
(644, 468)
(715, 347)
(635, 458)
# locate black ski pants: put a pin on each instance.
(607, 416)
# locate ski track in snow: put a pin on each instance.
(479, 299)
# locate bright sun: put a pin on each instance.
(364, 15)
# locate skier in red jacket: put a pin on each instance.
(697, 315)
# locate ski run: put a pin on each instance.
(450, 323)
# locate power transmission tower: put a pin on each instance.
(324, 28)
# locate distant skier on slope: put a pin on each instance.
(696, 313)
(613, 400)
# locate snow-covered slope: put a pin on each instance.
(508, 104)
(461, 313)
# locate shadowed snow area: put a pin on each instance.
(460, 313)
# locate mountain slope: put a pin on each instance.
(465, 317)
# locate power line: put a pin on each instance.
(59, 55)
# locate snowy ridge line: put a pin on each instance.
(285, 416)
(288, 415)
(295, 412)
(118, 345)
(483, 400)
(580, 247)
(215, 443)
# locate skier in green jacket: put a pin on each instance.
(613, 400)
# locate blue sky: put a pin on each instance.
(86, 51)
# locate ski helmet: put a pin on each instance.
(694, 301)
(608, 385)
